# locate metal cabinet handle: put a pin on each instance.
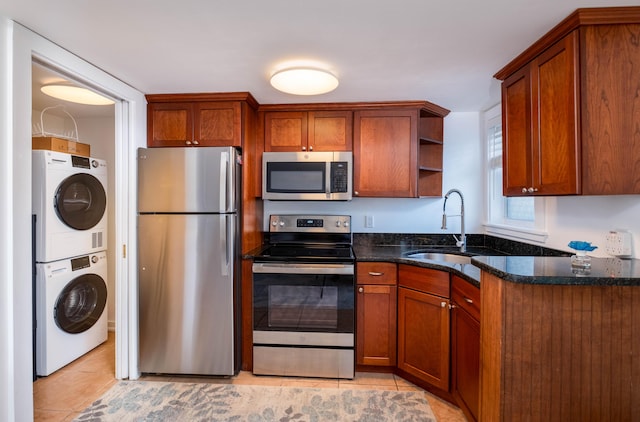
(311, 148)
(304, 148)
(188, 142)
(443, 304)
(195, 143)
(466, 299)
(360, 289)
(356, 193)
(374, 274)
(530, 189)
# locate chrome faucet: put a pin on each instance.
(462, 242)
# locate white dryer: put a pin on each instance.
(70, 202)
(71, 315)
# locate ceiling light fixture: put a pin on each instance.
(75, 94)
(304, 81)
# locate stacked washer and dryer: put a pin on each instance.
(69, 204)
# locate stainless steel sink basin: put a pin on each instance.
(444, 257)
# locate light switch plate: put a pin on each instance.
(619, 243)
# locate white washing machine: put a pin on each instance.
(71, 314)
(70, 203)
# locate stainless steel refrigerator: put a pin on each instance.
(188, 267)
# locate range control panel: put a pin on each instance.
(310, 223)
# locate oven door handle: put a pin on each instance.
(344, 269)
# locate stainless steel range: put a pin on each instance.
(304, 298)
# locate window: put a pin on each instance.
(518, 217)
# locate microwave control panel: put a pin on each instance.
(339, 176)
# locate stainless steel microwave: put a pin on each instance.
(307, 176)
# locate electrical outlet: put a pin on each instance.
(368, 221)
(619, 243)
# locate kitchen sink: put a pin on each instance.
(443, 257)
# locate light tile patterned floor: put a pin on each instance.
(63, 394)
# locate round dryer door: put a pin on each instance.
(80, 304)
(80, 201)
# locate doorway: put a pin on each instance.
(95, 127)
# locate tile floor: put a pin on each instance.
(63, 394)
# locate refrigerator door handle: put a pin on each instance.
(224, 181)
(225, 243)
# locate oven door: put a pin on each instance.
(303, 304)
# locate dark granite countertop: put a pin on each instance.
(511, 261)
(558, 270)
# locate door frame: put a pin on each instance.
(19, 46)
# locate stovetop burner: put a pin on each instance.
(309, 238)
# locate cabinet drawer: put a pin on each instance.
(376, 273)
(425, 280)
(466, 295)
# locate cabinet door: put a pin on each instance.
(376, 327)
(423, 336)
(169, 124)
(555, 137)
(541, 149)
(517, 151)
(330, 130)
(385, 147)
(285, 131)
(217, 124)
(465, 360)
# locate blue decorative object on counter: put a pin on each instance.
(581, 259)
(579, 245)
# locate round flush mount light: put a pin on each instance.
(75, 94)
(304, 81)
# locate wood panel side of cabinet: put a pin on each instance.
(252, 206)
(611, 109)
(169, 124)
(385, 147)
(247, 315)
(424, 279)
(491, 354)
(559, 352)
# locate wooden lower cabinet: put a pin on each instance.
(423, 325)
(376, 314)
(465, 346)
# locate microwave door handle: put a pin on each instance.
(327, 182)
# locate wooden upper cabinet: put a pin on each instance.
(218, 123)
(397, 152)
(194, 123)
(385, 153)
(570, 108)
(169, 124)
(309, 130)
(540, 124)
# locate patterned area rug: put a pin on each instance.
(167, 401)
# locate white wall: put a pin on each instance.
(589, 218)
(462, 170)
